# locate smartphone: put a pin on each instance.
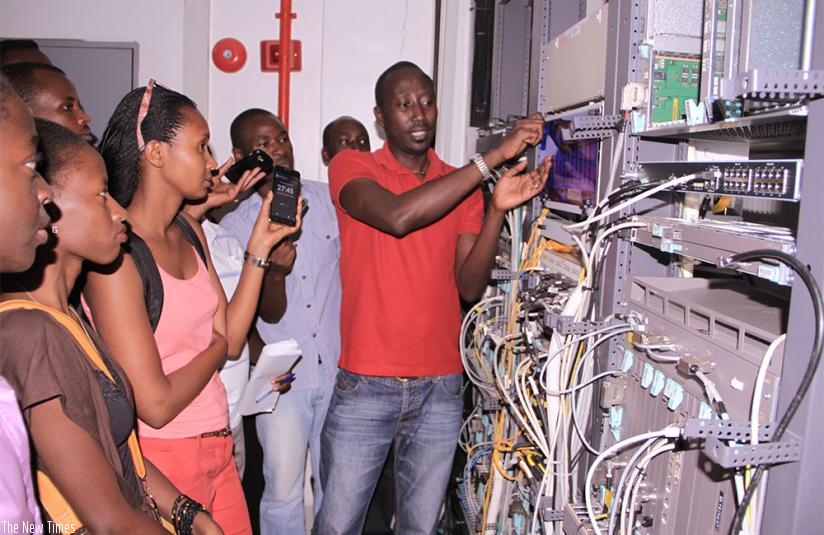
(256, 158)
(286, 190)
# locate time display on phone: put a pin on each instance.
(285, 188)
(285, 193)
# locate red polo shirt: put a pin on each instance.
(400, 314)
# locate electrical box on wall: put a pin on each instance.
(270, 56)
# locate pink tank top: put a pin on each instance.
(184, 330)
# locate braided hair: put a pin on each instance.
(118, 146)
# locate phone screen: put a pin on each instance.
(286, 190)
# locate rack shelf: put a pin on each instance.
(783, 126)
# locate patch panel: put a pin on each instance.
(774, 179)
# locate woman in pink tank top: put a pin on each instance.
(157, 156)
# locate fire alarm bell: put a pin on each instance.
(229, 55)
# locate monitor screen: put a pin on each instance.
(573, 177)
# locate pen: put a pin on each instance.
(263, 396)
(288, 379)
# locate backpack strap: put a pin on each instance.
(147, 267)
(53, 501)
(149, 275)
(191, 236)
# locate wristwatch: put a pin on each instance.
(478, 160)
(256, 261)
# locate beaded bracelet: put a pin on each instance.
(184, 511)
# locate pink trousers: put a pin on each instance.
(204, 470)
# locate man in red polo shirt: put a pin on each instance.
(413, 241)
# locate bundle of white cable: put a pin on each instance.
(609, 330)
(639, 475)
(521, 373)
(576, 410)
(629, 202)
(566, 440)
(550, 378)
(594, 251)
(756, 509)
(477, 370)
(618, 497)
(534, 432)
(494, 503)
(670, 432)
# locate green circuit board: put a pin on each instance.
(675, 78)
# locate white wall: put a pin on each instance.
(455, 82)
(160, 37)
(346, 45)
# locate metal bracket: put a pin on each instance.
(738, 455)
(490, 404)
(576, 520)
(700, 428)
(592, 127)
(721, 447)
(504, 275)
(565, 325)
(774, 84)
(544, 505)
(551, 515)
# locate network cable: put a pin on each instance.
(648, 193)
(670, 432)
(812, 365)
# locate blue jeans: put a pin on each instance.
(422, 416)
(285, 435)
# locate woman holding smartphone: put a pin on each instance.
(156, 152)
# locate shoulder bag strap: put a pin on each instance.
(58, 508)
